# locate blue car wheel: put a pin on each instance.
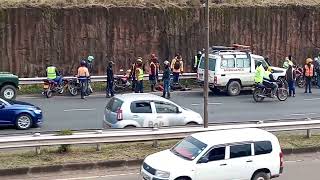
(23, 121)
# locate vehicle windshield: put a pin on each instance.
(212, 63)
(189, 148)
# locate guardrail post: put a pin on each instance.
(155, 142)
(98, 148)
(308, 130)
(38, 148)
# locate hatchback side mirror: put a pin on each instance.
(203, 160)
(179, 110)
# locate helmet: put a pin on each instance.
(269, 69)
(139, 60)
(287, 58)
(166, 63)
(309, 60)
(199, 52)
(83, 63)
(90, 58)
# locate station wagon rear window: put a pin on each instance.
(114, 104)
(189, 148)
(212, 64)
(262, 147)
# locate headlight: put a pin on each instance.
(162, 174)
(37, 111)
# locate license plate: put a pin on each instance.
(45, 86)
(145, 177)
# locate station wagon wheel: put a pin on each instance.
(261, 176)
(23, 121)
(9, 92)
(234, 88)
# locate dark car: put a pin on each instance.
(19, 114)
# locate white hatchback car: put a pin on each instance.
(239, 154)
(147, 110)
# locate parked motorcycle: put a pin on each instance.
(261, 92)
(74, 87)
(50, 87)
(121, 84)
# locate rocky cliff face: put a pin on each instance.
(30, 38)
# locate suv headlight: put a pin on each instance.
(162, 174)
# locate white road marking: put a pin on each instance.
(312, 99)
(300, 114)
(196, 104)
(94, 177)
(69, 110)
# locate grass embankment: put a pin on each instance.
(52, 155)
(153, 3)
(97, 87)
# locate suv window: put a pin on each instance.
(243, 63)
(264, 63)
(242, 150)
(114, 104)
(262, 147)
(228, 63)
(141, 107)
(212, 64)
(162, 107)
(217, 154)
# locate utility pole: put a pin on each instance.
(206, 72)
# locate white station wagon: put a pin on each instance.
(239, 154)
(147, 110)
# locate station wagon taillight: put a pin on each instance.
(281, 161)
(215, 80)
(119, 114)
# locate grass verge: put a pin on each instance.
(52, 155)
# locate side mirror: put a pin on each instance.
(179, 110)
(203, 160)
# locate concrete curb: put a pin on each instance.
(110, 164)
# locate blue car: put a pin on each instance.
(19, 114)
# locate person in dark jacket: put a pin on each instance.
(291, 77)
(110, 79)
(166, 79)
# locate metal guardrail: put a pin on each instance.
(39, 80)
(99, 136)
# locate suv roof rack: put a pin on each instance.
(233, 48)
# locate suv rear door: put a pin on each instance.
(143, 113)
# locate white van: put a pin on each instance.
(238, 154)
(233, 70)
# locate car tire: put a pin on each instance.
(261, 176)
(234, 88)
(129, 127)
(192, 124)
(183, 178)
(8, 92)
(23, 122)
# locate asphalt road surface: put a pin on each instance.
(297, 167)
(66, 112)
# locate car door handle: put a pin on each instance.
(249, 161)
(223, 75)
(223, 164)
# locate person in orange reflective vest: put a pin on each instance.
(153, 71)
(308, 72)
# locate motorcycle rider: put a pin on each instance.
(269, 81)
(83, 75)
(54, 75)
(196, 61)
(110, 80)
(258, 78)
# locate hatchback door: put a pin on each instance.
(168, 114)
(111, 110)
(143, 114)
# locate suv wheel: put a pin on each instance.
(261, 176)
(9, 92)
(234, 88)
(23, 122)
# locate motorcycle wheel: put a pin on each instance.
(300, 82)
(73, 90)
(257, 95)
(282, 94)
(61, 91)
(48, 93)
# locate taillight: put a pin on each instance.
(215, 80)
(119, 114)
(281, 160)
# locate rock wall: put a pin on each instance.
(30, 38)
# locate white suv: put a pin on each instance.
(233, 70)
(239, 154)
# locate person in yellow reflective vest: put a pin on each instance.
(53, 74)
(196, 61)
(139, 77)
(258, 78)
(269, 81)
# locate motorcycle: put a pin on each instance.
(260, 92)
(121, 84)
(74, 87)
(50, 87)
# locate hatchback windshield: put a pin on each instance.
(189, 148)
(212, 64)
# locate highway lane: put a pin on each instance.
(65, 112)
(297, 167)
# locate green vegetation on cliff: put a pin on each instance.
(154, 3)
